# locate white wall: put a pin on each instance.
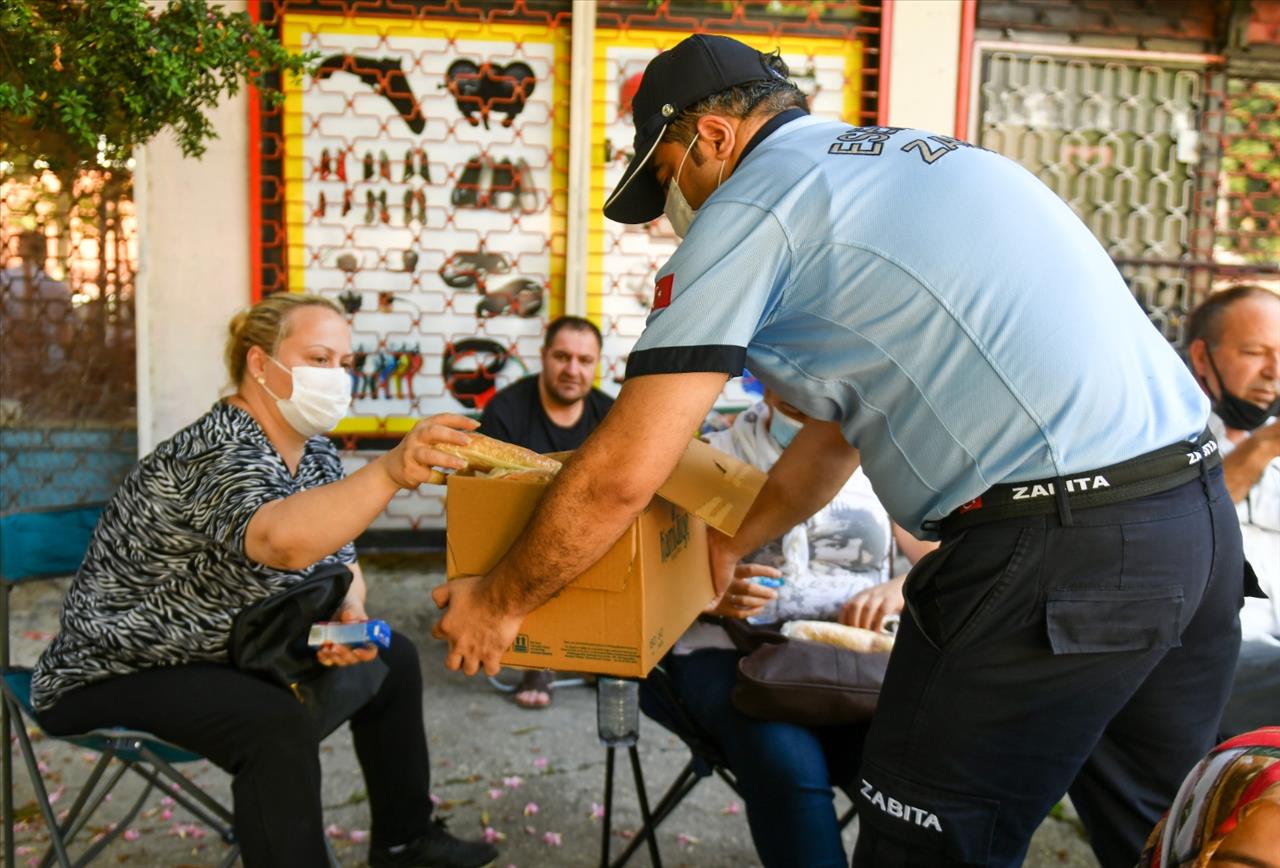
(193, 218)
(923, 64)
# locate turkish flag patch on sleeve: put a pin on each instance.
(662, 292)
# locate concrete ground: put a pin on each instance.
(535, 778)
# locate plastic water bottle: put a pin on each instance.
(618, 711)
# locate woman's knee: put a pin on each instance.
(779, 758)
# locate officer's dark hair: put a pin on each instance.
(1205, 322)
(573, 323)
(744, 100)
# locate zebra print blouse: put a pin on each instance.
(166, 571)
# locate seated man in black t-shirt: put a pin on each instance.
(551, 411)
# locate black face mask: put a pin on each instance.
(1234, 411)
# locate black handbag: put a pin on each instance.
(269, 640)
(803, 682)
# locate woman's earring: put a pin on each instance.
(261, 380)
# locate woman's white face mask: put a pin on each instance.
(677, 207)
(320, 398)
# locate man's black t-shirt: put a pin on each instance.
(515, 415)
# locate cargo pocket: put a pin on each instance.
(1099, 620)
(954, 825)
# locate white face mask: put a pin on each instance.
(320, 398)
(677, 206)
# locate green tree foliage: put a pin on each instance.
(1251, 170)
(82, 82)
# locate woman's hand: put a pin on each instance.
(330, 654)
(745, 598)
(868, 608)
(414, 460)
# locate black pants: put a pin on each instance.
(261, 735)
(1036, 659)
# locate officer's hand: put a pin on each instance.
(724, 560)
(478, 634)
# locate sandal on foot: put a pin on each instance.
(537, 682)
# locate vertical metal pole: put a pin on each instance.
(579, 181)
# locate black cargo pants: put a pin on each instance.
(1036, 659)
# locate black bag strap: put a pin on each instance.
(745, 637)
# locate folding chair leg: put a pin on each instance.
(683, 785)
(6, 722)
(42, 798)
(69, 827)
(188, 795)
(6, 779)
(644, 807)
(608, 808)
(117, 830)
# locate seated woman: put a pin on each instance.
(1227, 812)
(836, 566)
(244, 502)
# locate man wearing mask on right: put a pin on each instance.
(1233, 343)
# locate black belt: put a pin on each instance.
(1147, 474)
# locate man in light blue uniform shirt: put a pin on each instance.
(960, 332)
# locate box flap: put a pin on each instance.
(714, 486)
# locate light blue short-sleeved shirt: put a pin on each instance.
(954, 315)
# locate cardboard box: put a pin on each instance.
(626, 611)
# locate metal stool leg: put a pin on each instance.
(644, 807)
(42, 797)
(608, 807)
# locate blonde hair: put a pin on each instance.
(265, 325)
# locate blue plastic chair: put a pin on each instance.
(51, 544)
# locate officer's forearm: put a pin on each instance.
(603, 487)
(810, 473)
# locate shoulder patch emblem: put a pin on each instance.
(662, 292)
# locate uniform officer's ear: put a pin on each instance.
(720, 133)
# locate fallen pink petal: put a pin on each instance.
(166, 814)
(686, 840)
(540, 763)
(597, 811)
(492, 835)
(513, 782)
(435, 800)
(358, 836)
(551, 839)
(531, 809)
(333, 830)
(732, 808)
(529, 830)
(496, 793)
(131, 834)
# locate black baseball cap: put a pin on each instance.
(675, 80)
